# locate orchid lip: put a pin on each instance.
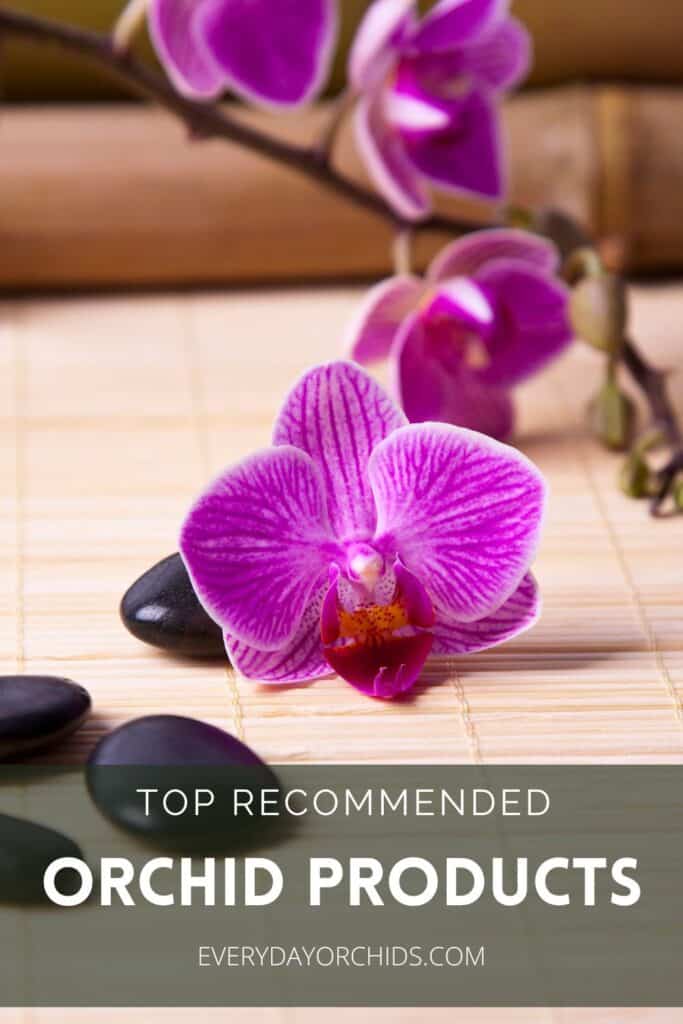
(380, 648)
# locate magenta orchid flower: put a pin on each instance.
(270, 52)
(358, 544)
(430, 93)
(489, 313)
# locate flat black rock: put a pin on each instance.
(36, 711)
(26, 850)
(168, 752)
(161, 609)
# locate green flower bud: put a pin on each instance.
(635, 479)
(678, 494)
(612, 416)
(598, 312)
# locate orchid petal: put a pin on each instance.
(519, 613)
(190, 68)
(412, 113)
(467, 156)
(433, 387)
(455, 23)
(502, 58)
(379, 318)
(374, 45)
(256, 543)
(466, 256)
(463, 511)
(337, 414)
(300, 660)
(532, 321)
(463, 301)
(386, 159)
(272, 52)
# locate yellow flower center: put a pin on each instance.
(372, 623)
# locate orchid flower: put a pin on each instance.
(358, 544)
(489, 313)
(430, 92)
(270, 52)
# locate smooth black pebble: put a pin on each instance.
(36, 711)
(165, 752)
(26, 850)
(161, 609)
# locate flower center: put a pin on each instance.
(365, 564)
(372, 623)
(457, 318)
(376, 635)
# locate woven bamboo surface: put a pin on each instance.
(115, 411)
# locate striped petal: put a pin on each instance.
(465, 257)
(519, 613)
(463, 511)
(374, 328)
(301, 660)
(256, 543)
(338, 414)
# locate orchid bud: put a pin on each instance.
(636, 479)
(678, 494)
(613, 416)
(598, 311)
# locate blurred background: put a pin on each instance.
(99, 191)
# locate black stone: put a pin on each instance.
(36, 711)
(161, 609)
(164, 752)
(26, 850)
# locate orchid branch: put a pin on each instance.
(603, 322)
(342, 105)
(652, 383)
(211, 120)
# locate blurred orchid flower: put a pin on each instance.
(358, 544)
(489, 313)
(430, 90)
(270, 52)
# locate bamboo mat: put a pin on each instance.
(115, 411)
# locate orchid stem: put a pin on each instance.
(328, 138)
(128, 24)
(652, 383)
(211, 120)
(585, 258)
(402, 252)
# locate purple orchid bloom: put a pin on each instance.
(270, 52)
(489, 313)
(430, 92)
(359, 544)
